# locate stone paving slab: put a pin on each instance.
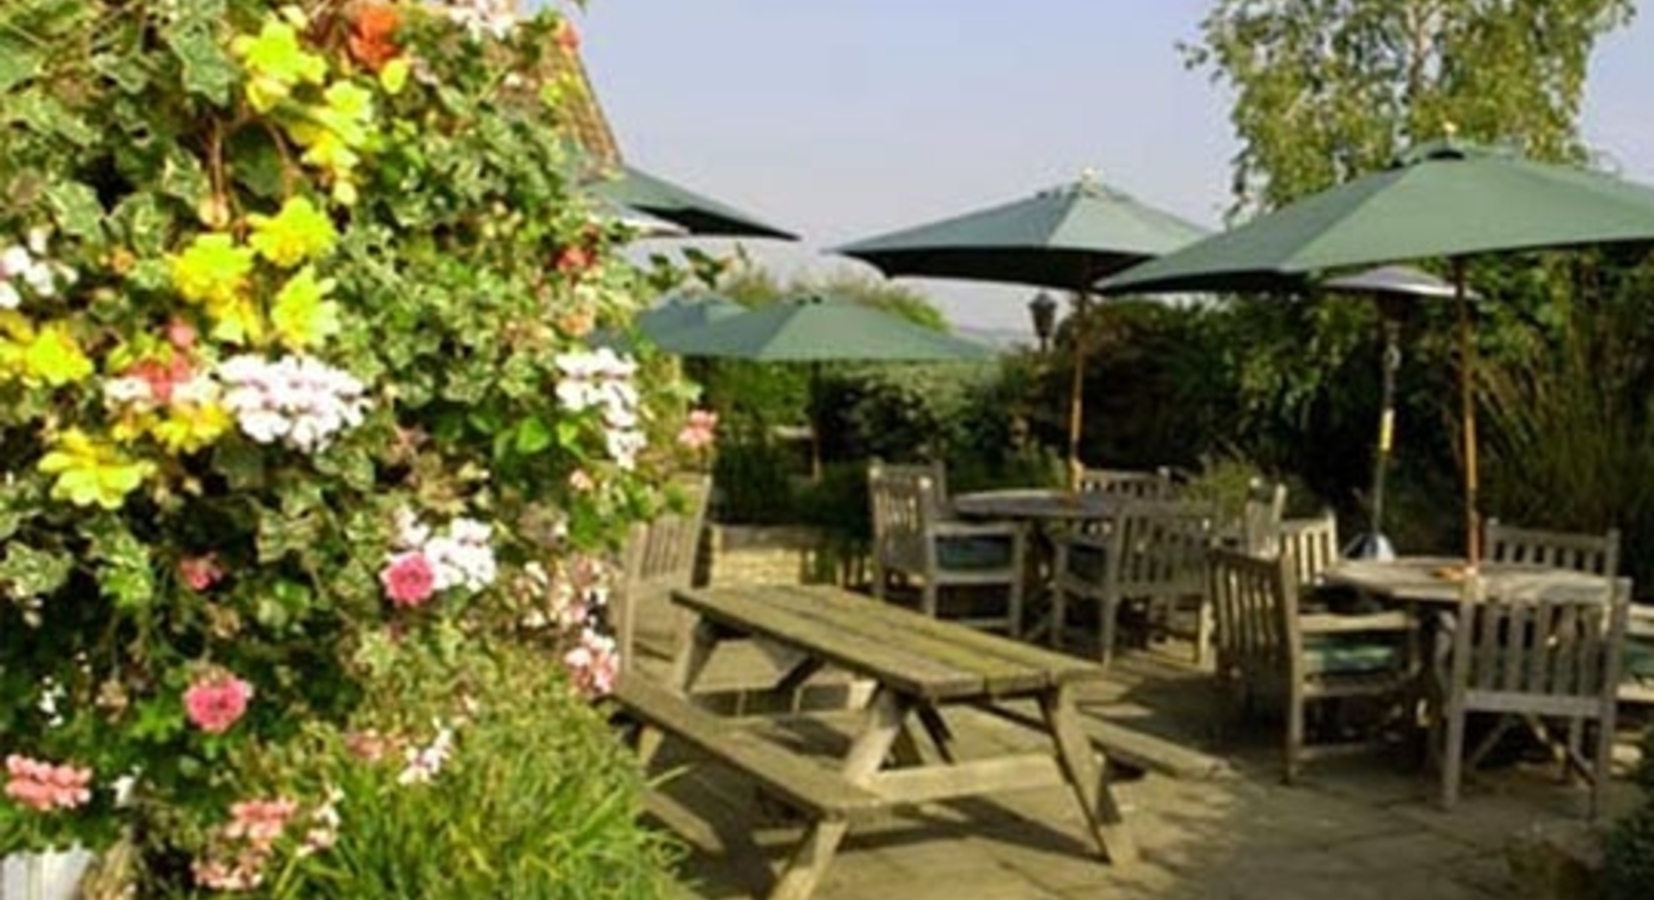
(1352, 829)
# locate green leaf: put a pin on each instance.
(45, 115)
(533, 436)
(257, 162)
(76, 208)
(17, 65)
(34, 573)
(208, 70)
(568, 434)
(126, 574)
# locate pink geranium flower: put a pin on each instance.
(200, 572)
(409, 578)
(44, 787)
(216, 703)
(700, 431)
(260, 822)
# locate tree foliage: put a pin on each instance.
(1328, 89)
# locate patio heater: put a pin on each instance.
(1043, 309)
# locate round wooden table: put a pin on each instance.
(1440, 579)
(1035, 504)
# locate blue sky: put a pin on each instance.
(840, 120)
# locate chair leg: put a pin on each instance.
(880, 581)
(1294, 742)
(1015, 611)
(1203, 632)
(1452, 758)
(1107, 624)
(928, 598)
(1059, 615)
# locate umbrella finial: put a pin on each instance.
(1450, 129)
(1091, 180)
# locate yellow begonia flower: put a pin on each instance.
(299, 232)
(333, 132)
(55, 358)
(91, 473)
(276, 63)
(236, 321)
(191, 427)
(302, 316)
(212, 269)
(394, 76)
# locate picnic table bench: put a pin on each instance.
(902, 751)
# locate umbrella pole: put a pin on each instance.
(1467, 414)
(1076, 401)
(1386, 424)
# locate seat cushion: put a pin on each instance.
(1345, 654)
(973, 553)
(1638, 661)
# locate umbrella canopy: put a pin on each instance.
(684, 312)
(641, 222)
(700, 214)
(1441, 199)
(1065, 238)
(817, 329)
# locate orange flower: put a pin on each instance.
(372, 38)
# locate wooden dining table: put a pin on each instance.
(1439, 581)
(1036, 505)
(921, 669)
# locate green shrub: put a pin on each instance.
(1628, 865)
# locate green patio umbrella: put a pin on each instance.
(814, 330)
(1065, 238)
(685, 311)
(699, 214)
(675, 313)
(1441, 199)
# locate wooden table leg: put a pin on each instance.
(1087, 779)
(884, 721)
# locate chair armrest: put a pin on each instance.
(984, 529)
(1640, 621)
(1328, 623)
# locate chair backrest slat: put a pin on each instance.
(1159, 548)
(1595, 554)
(1255, 604)
(1540, 640)
(905, 502)
(659, 557)
(1128, 484)
(1312, 545)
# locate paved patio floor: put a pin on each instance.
(1355, 828)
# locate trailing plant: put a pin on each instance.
(293, 393)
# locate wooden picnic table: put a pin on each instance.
(918, 666)
(1439, 580)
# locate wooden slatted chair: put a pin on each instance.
(1261, 516)
(1152, 552)
(1534, 653)
(1593, 554)
(913, 539)
(1129, 484)
(1269, 652)
(659, 558)
(1312, 545)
